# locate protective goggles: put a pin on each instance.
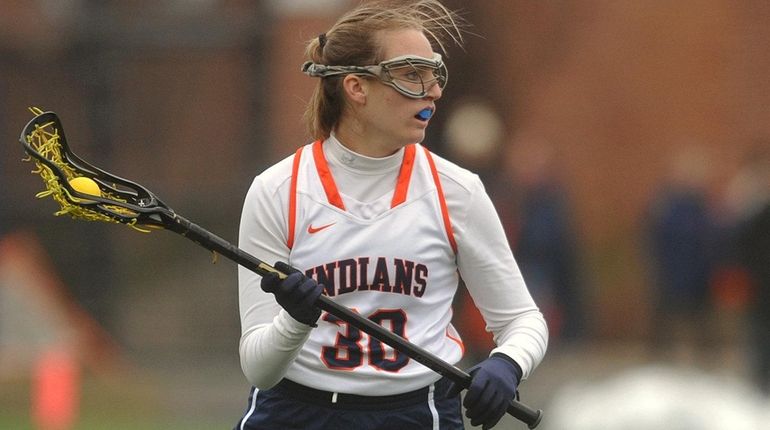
(410, 75)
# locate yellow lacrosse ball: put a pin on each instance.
(85, 185)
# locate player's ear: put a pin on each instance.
(356, 88)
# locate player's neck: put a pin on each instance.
(340, 155)
(359, 141)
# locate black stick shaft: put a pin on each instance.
(215, 243)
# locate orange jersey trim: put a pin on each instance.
(404, 177)
(293, 198)
(330, 187)
(457, 340)
(442, 201)
(399, 195)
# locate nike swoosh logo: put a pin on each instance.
(314, 230)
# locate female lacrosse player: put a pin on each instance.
(377, 223)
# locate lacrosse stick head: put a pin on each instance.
(118, 200)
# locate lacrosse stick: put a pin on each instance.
(88, 193)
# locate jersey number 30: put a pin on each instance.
(349, 351)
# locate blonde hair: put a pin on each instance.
(352, 41)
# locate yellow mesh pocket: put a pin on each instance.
(45, 141)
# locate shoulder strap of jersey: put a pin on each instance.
(327, 180)
(404, 176)
(442, 201)
(293, 197)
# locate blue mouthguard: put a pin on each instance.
(425, 114)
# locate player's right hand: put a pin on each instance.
(296, 293)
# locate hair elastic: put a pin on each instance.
(322, 40)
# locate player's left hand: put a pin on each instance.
(492, 388)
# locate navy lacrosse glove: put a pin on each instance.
(297, 293)
(493, 386)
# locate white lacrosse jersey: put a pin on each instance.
(397, 267)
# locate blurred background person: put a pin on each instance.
(748, 201)
(681, 235)
(524, 178)
(538, 218)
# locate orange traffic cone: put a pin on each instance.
(55, 390)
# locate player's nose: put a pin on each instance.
(434, 92)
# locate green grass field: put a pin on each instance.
(112, 404)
